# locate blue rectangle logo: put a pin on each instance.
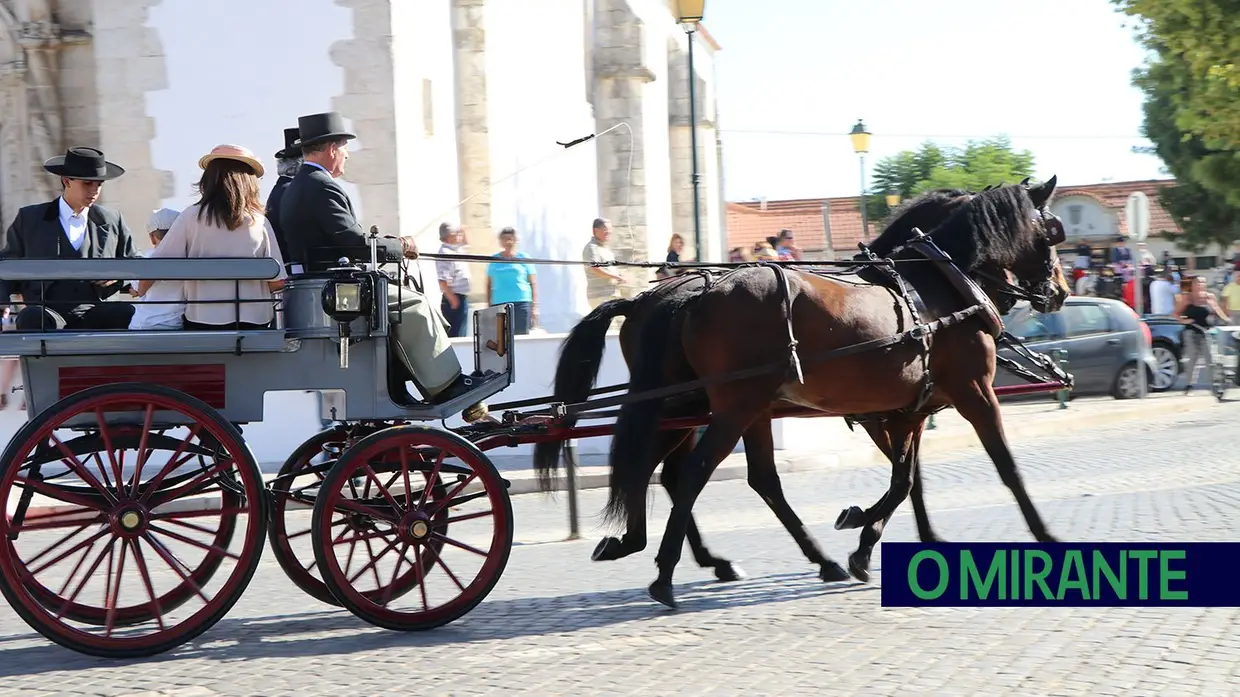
(1084, 574)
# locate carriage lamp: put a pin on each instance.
(893, 200)
(690, 11)
(345, 299)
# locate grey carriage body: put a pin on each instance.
(232, 370)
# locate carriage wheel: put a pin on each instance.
(403, 523)
(298, 482)
(123, 496)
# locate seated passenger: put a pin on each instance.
(153, 313)
(71, 227)
(316, 213)
(227, 221)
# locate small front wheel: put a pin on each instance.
(401, 489)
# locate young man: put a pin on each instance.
(71, 227)
(163, 306)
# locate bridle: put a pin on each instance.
(1053, 235)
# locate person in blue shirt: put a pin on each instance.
(513, 282)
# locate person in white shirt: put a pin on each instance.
(152, 313)
(1162, 295)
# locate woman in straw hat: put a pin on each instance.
(227, 221)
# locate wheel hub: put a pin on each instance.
(130, 520)
(416, 527)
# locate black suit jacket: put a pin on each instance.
(274, 199)
(316, 212)
(36, 233)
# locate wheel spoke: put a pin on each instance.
(196, 543)
(461, 518)
(431, 479)
(459, 545)
(146, 580)
(421, 568)
(107, 552)
(55, 492)
(444, 565)
(64, 555)
(355, 507)
(173, 463)
(115, 594)
(81, 470)
(142, 453)
(373, 559)
(207, 513)
(451, 495)
(107, 444)
(404, 472)
(370, 475)
(77, 567)
(59, 519)
(391, 586)
(174, 494)
(174, 563)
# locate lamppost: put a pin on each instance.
(893, 200)
(688, 14)
(861, 145)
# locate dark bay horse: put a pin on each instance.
(750, 316)
(581, 357)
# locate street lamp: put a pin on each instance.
(688, 14)
(861, 145)
(893, 200)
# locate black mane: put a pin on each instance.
(993, 227)
(926, 212)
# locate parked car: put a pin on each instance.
(1104, 338)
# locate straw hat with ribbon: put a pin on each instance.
(232, 152)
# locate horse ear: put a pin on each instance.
(1025, 181)
(1042, 192)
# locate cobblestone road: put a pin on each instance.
(558, 624)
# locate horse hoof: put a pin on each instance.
(859, 566)
(662, 592)
(608, 549)
(833, 572)
(850, 518)
(728, 572)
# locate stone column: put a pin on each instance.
(368, 102)
(621, 76)
(473, 141)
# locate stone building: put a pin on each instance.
(452, 100)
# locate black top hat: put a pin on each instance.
(83, 163)
(291, 149)
(317, 128)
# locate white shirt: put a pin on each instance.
(1162, 297)
(73, 223)
(147, 315)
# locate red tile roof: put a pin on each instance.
(752, 221)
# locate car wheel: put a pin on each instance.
(1127, 385)
(1168, 368)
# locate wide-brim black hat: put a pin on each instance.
(291, 148)
(317, 128)
(83, 163)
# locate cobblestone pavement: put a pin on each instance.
(559, 624)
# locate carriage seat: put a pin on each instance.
(96, 343)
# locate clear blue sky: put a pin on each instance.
(1055, 75)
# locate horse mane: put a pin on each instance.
(994, 226)
(926, 212)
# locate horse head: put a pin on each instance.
(1009, 231)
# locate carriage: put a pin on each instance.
(134, 464)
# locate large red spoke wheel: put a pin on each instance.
(435, 504)
(127, 534)
(293, 494)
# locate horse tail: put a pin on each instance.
(581, 356)
(638, 422)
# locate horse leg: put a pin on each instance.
(764, 479)
(924, 532)
(634, 538)
(724, 569)
(721, 436)
(980, 407)
(900, 434)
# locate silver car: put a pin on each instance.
(1105, 340)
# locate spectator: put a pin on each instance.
(785, 246)
(1162, 294)
(1231, 300)
(453, 279)
(512, 282)
(1194, 309)
(1120, 253)
(674, 248)
(154, 313)
(602, 283)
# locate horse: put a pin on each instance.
(581, 356)
(751, 317)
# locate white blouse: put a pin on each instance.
(190, 238)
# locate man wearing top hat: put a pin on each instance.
(71, 227)
(288, 161)
(316, 213)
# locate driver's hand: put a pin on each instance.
(409, 247)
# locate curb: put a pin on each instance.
(522, 482)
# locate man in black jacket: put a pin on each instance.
(288, 161)
(71, 227)
(316, 213)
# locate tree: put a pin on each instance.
(1206, 198)
(978, 164)
(1204, 36)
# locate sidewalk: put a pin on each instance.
(835, 447)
